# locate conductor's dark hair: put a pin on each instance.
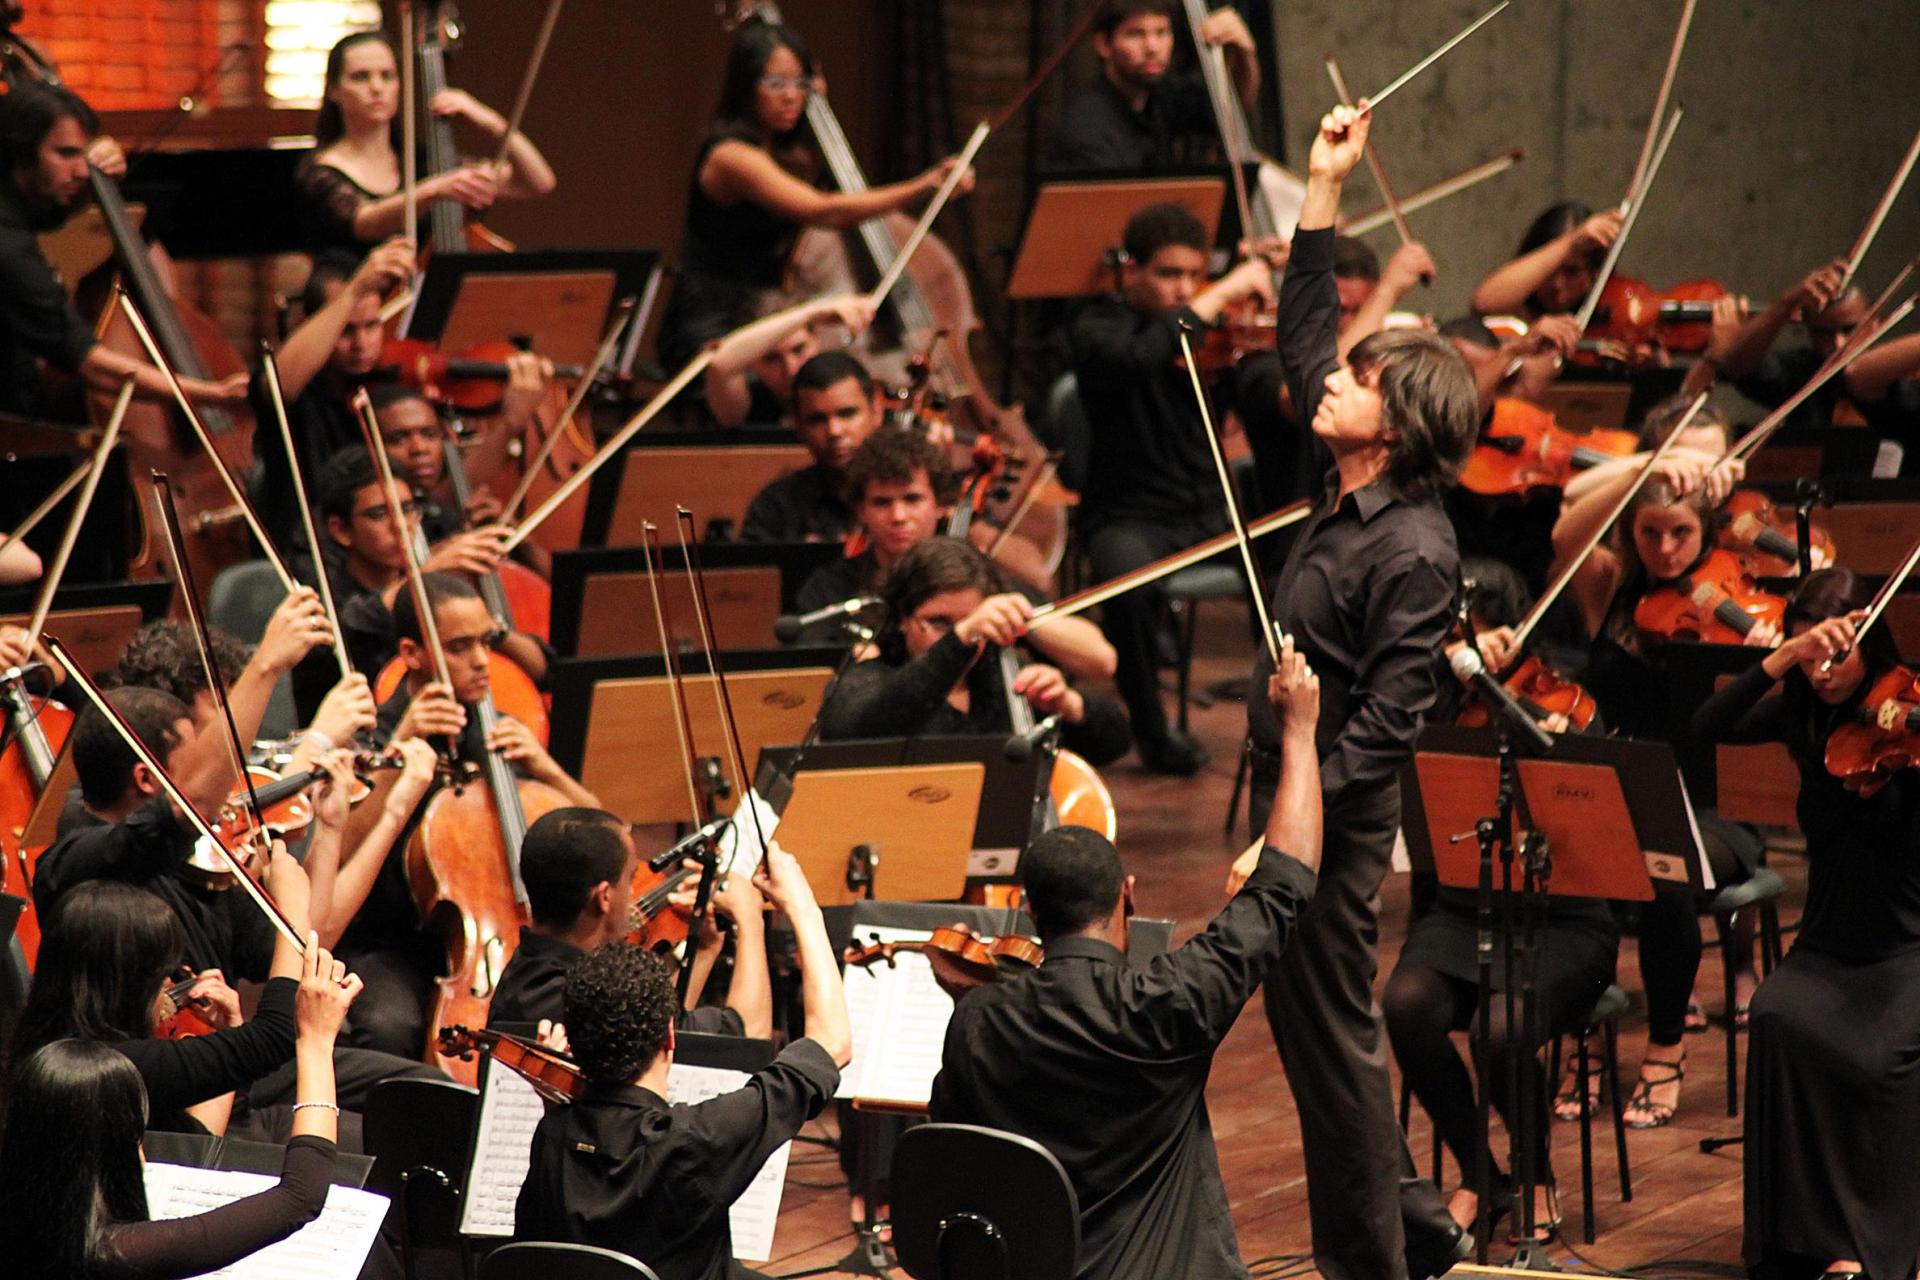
(103, 761)
(1554, 221)
(165, 655)
(331, 265)
(1116, 12)
(753, 46)
(70, 1161)
(342, 476)
(830, 369)
(108, 949)
(620, 1003)
(1429, 402)
(27, 115)
(565, 854)
(441, 587)
(329, 126)
(1072, 878)
(1354, 259)
(1159, 225)
(1833, 593)
(1495, 591)
(893, 456)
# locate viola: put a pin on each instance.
(960, 959)
(1541, 692)
(1524, 448)
(1640, 317)
(1766, 536)
(1715, 603)
(553, 1075)
(285, 810)
(1885, 737)
(470, 380)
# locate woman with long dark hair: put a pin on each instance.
(349, 187)
(1555, 266)
(1833, 1058)
(73, 1203)
(755, 186)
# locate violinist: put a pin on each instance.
(836, 406)
(1151, 488)
(751, 377)
(623, 1169)
(1367, 592)
(1137, 117)
(753, 190)
(1833, 1027)
(349, 186)
(947, 609)
(1663, 535)
(579, 867)
(1559, 257)
(45, 131)
(1105, 1063)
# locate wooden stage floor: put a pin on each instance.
(1685, 1213)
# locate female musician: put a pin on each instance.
(1665, 533)
(753, 190)
(946, 606)
(1830, 1064)
(72, 1201)
(1555, 267)
(349, 188)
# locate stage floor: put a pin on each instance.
(1685, 1207)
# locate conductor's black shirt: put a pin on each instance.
(1105, 1064)
(622, 1169)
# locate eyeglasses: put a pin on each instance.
(382, 511)
(780, 84)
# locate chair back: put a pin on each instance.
(544, 1261)
(241, 600)
(972, 1203)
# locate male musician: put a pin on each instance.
(1135, 118)
(1367, 592)
(45, 131)
(623, 1169)
(1151, 485)
(397, 961)
(836, 406)
(579, 867)
(1106, 1064)
(751, 377)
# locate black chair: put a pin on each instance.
(542, 1261)
(971, 1203)
(420, 1135)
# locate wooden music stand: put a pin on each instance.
(1074, 227)
(602, 606)
(901, 834)
(94, 620)
(715, 476)
(561, 299)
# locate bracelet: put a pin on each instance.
(324, 740)
(328, 1105)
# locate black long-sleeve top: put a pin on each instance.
(182, 1073)
(1368, 586)
(1105, 1064)
(1863, 853)
(36, 319)
(219, 1237)
(888, 698)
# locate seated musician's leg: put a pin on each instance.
(1129, 620)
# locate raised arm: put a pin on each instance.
(727, 390)
(1507, 288)
(1809, 296)
(737, 171)
(822, 997)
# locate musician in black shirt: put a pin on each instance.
(1367, 592)
(836, 407)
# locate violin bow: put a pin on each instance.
(242, 876)
(623, 316)
(1881, 599)
(1378, 170)
(1370, 103)
(1636, 202)
(1748, 444)
(1374, 219)
(48, 503)
(92, 470)
(270, 372)
(1255, 583)
(1879, 215)
(525, 93)
(1081, 601)
(1637, 184)
(189, 596)
(396, 511)
(187, 411)
(409, 132)
(1565, 576)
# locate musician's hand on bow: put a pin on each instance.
(1338, 146)
(516, 742)
(1815, 291)
(475, 185)
(105, 154)
(483, 506)
(1825, 639)
(230, 390)
(1410, 265)
(390, 263)
(854, 312)
(471, 551)
(13, 647)
(418, 764)
(1048, 691)
(298, 623)
(434, 712)
(998, 620)
(1723, 478)
(327, 990)
(931, 180)
(781, 881)
(1496, 646)
(347, 710)
(1598, 232)
(528, 377)
(1557, 335)
(1294, 692)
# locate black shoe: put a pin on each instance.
(1176, 754)
(1435, 1253)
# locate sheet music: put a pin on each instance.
(510, 1111)
(899, 1018)
(333, 1246)
(754, 1214)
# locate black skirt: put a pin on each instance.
(1579, 947)
(1833, 1115)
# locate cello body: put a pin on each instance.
(37, 738)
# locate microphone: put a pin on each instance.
(1467, 666)
(788, 626)
(1020, 746)
(689, 847)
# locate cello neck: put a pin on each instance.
(35, 750)
(506, 800)
(447, 218)
(491, 592)
(1236, 137)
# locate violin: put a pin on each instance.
(1524, 448)
(1715, 603)
(1765, 536)
(184, 1020)
(553, 1075)
(1642, 318)
(960, 959)
(470, 381)
(1541, 692)
(285, 810)
(1884, 739)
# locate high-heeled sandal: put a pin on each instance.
(1659, 1114)
(1566, 1105)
